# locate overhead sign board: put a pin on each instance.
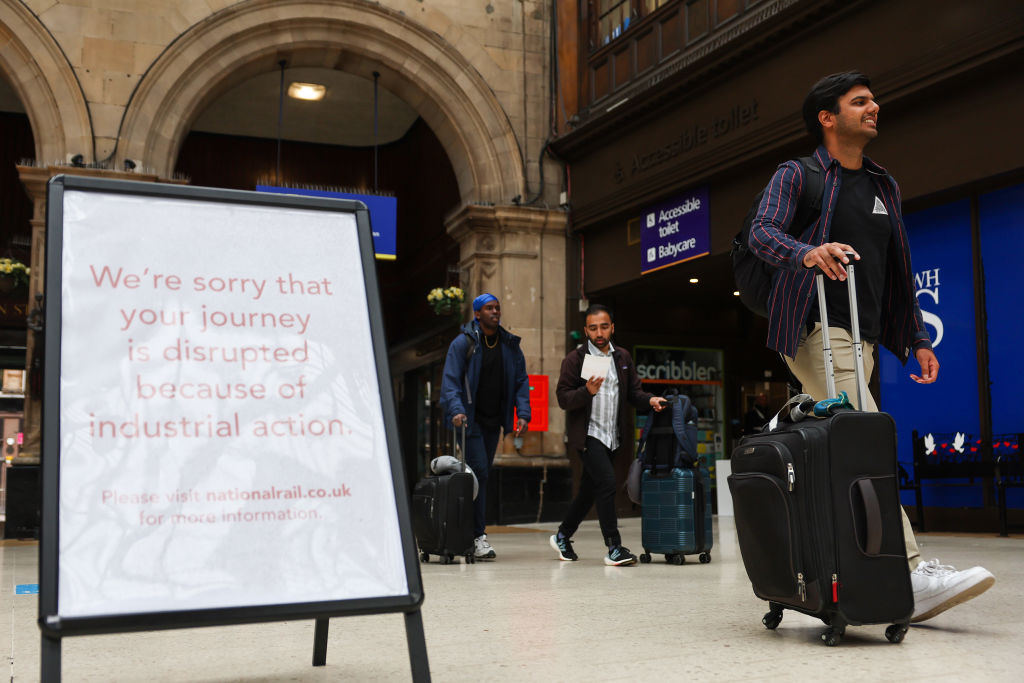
(675, 231)
(383, 215)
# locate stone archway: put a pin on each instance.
(45, 82)
(437, 78)
(415, 64)
(42, 77)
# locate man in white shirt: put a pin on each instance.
(596, 422)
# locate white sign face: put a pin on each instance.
(221, 429)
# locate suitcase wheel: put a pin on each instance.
(470, 558)
(675, 559)
(424, 557)
(894, 634)
(645, 558)
(705, 558)
(772, 619)
(832, 637)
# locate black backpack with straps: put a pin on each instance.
(753, 275)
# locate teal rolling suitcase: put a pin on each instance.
(676, 514)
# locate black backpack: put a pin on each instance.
(669, 437)
(668, 440)
(754, 276)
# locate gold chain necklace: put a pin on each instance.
(491, 346)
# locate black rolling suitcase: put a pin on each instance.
(818, 516)
(442, 512)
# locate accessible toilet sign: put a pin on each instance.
(220, 437)
(675, 231)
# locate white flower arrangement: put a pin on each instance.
(446, 300)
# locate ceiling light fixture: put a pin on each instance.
(694, 280)
(735, 293)
(307, 91)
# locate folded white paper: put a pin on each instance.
(595, 366)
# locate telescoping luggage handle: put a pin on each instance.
(459, 453)
(826, 342)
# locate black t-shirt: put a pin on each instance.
(861, 220)
(488, 393)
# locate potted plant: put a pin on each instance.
(13, 274)
(446, 300)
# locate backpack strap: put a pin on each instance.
(470, 347)
(808, 207)
(684, 424)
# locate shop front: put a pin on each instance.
(709, 122)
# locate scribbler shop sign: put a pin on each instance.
(669, 365)
(675, 231)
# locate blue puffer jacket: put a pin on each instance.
(462, 377)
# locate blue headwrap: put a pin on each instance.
(485, 298)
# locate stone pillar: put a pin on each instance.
(518, 254)
(35, 179)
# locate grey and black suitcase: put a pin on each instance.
(818, 516)
(442, 512)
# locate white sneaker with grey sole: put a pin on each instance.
(482, 550)
(937, 587)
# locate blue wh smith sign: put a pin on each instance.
(675, 231)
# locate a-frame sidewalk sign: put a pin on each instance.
(220, 443)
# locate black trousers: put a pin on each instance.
(597, 486)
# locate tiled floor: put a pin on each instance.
(529, 617)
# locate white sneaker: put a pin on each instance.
(937, 587)
(482, 550)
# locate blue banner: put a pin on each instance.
(383, 215)
(1001, 220)
(943, 265)
(675, 231)
(944, 280)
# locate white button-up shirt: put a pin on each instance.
(604, 409)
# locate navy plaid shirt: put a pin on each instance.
(793, 288)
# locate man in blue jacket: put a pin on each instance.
(861, 212)
(484, 380)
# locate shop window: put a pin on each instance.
(948, 291)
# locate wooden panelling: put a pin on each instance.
(696, 19)
(599, 76)
(569, 74)
(725, 10)
(646, 50)
(671, 34)
(624, 65)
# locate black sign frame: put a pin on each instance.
(54, 627)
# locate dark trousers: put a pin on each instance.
(597, 486)
(481, 443)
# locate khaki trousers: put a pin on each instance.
(809, 368)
